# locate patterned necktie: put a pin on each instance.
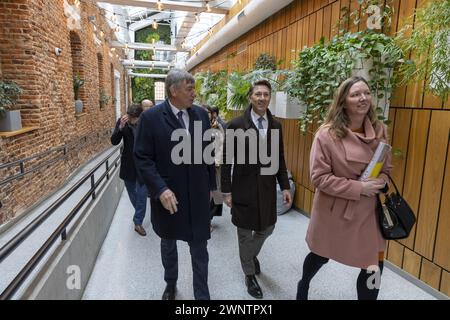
(260, 125)
(180, 118)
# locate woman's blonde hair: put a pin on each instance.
(337, 119)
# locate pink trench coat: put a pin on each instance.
(343, 224)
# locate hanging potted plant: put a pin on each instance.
(320, 69)
(287, 106)
(10, 120)
(266, 62)
(77, 84)
(265, 67)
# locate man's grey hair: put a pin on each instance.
(175, 77)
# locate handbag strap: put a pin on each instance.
(395, 186)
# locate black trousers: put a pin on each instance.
(199, 259)
(365, 287)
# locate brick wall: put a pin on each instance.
(29, 32)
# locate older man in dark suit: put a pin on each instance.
(251, 193)
(180, 192)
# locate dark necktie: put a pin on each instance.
(180, 118)
(260, 125)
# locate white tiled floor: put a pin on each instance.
(129, 266)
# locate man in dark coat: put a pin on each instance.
(179, 193)
(251, 193)
(137, 191)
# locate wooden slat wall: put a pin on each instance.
(420, 130)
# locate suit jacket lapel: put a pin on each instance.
(248, 122)
(170, 117)
(193, 116)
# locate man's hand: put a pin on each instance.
(227, 199)
(123, 121)
(287, 199)
(169, 201)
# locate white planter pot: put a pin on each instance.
(273, 103)
(361, 69)
(12, 121)
(288, 107)
(78, 106)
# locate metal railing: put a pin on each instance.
(12, 244)
(61, 153)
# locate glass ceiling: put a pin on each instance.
(190, 28)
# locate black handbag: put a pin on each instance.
(396, 218)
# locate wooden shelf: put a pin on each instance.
(16, 133)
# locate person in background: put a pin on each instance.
(217, 124)
(137, 191)
(343, 224)
(146, 104)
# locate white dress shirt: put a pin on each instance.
(185, 116)
(265, 122)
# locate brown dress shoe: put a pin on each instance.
(139, 229)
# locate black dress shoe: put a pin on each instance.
(257, 266)
(169, 292)
(253, 287)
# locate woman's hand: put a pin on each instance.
(372, 186)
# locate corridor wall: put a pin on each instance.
(30, 31)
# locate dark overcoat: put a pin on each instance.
(191, 183)
(254, 200)
(127, 167)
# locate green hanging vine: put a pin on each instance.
(430, 44)
(320, 69)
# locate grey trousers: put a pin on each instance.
(250, 244)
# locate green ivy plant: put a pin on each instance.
(266, 62)
(264, 74)
(430, 44)
(211, 89)
(378, 12)
(9, 93)
(320, 69)
(144, 88)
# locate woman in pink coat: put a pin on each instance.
(343, 224)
